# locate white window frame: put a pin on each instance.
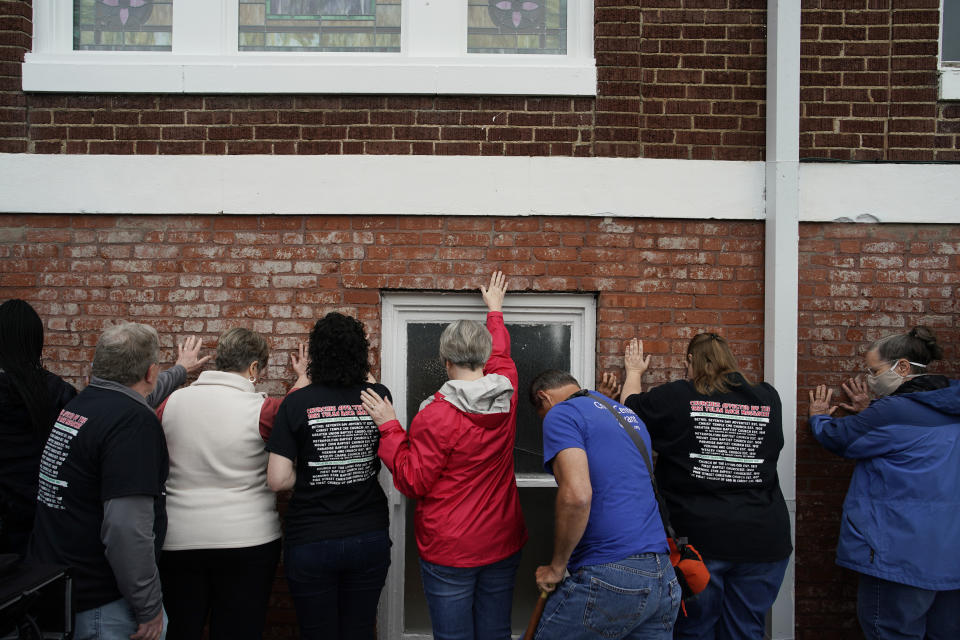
(432, 60)
(949, 72)
(400, 308)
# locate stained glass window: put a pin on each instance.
(517, 26)
(320, 25)
(122, 25)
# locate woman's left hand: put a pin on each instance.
(380, 409)
(820, 402)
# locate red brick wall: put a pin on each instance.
(858, 283)
(677, 79)
(869, 82)
(15, 30)
(663, 279)
(703, 65)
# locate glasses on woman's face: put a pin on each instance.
(875, 371)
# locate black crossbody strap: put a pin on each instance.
(642, 446)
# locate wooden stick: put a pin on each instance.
(535, 617)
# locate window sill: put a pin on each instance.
(351, 73)
(950, 83)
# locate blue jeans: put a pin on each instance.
(634, 598)
(890, 610)
(471, 603)
(734, 605)
(336, 584)
(111, 621)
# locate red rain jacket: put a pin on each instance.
(458, 463)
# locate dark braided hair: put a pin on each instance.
(21, 347)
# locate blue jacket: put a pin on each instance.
(901, 516)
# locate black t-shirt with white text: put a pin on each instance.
(717, 467)
(104, 445)
(334, 443)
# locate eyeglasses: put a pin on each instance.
(871, 371)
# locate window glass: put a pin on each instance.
(517, 26)
(319, 25)
(122, 25)
(534, 347)
(951, 32)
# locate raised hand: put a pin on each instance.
(299, 361)
(187, 355)
(820, 401)
(857, 392)
(493, 296)
(609, 385)
(633, 358)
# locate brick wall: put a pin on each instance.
(703, 64)
(869, 82)
(664, 279)
(676, 79)
(15, 30)
(857, 283)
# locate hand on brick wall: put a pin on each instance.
(857, 392)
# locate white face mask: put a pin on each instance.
(883, 384)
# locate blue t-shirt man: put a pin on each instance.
(623, 512)
(608, 531)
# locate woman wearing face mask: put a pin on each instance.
(901, 516)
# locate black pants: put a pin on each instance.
(232, 586)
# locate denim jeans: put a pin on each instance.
(336, 584)
(472, 603)
(111, 621)
(890, 610)
(734, 605)
(634, 598)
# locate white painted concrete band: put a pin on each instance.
(919, 193)
(461, 185)
(401, 185)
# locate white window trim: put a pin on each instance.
(949, 72)
(399, 308)
(207, 60)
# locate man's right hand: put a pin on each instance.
(149, 630)
(548, 577)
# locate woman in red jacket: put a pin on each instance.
(457, 461)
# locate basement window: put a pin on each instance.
(546, 331)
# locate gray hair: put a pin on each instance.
(125, 352)
(238, 347)
(466, 343)
(917, 346)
